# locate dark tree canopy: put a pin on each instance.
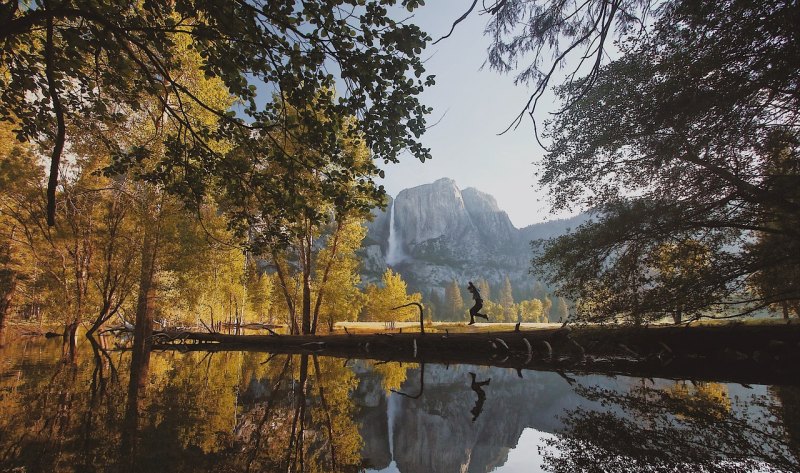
(688, 150)
(87, 61)
(536, 39)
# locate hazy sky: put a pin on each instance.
(477, 105)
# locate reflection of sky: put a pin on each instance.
(525, 458)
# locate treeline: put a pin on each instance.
(117, 240)
(500, 303)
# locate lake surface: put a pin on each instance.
(244, 411)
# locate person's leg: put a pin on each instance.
(479, 306)
(472, 312)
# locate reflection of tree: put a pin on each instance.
(306, 421)
(678, 428)
(392, 374)
(789, 411)
(56, 415)
(188, 412)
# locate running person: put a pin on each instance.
(473, 311)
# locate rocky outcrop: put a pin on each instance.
(447, 233)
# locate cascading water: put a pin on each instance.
(394, 254)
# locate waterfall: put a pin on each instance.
(394, 254)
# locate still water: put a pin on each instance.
(245, 411)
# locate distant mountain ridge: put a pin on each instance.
(446, 233)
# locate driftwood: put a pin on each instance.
(421, 317)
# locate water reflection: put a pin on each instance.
(243, 411)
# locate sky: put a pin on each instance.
(472, 106)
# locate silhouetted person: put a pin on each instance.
(477, 387)
(473, 311)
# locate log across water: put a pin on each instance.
(749, 354)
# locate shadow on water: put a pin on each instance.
(116, 410)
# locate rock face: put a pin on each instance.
(447, 233)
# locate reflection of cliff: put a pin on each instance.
(436, 433)
(372, 418)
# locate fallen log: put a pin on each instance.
(771, 354)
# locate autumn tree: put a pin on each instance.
(18, 175)
(260, 286)
(561, 310)
(123, 56)
(337, 277)
(393, 292)
(484, 289)
(326, 195)
(547, 307)
(531, 311)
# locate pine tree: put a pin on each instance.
(453, 301)
(434, 305)
(506, 298)
(484, 289)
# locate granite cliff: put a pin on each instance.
(442, 233)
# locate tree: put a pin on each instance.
(392, 293)
(524, 32)
(539, 291)
(531, 311)
(434, 305)
(675, 145)
(337, 277)
(453, 301)
(18, 174)
(123, 55)
(325, 192)
(484, 289)
(547, 307)
(259, 290)
(506, 300)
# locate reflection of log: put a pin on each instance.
(698, 352)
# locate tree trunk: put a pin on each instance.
(293, 328)
(9, 286)
(102, 317)
(325, 273)
(70, 340)
(143, 330)
(306, 259)
(677, 316)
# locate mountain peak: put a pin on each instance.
(477, 201)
